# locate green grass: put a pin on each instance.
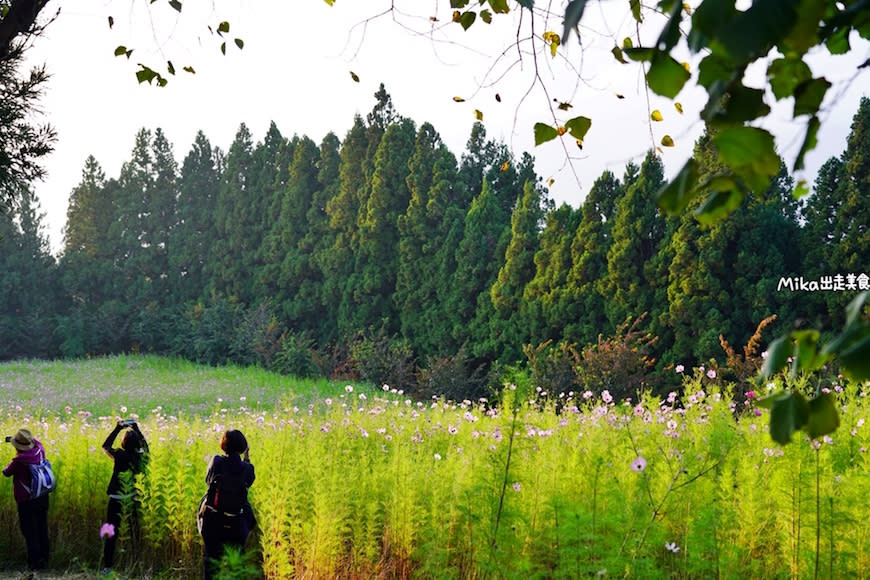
(141, 384)
(361, 483)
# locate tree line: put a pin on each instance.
(384, 249)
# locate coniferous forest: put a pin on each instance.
(383, 256)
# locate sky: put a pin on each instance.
(295, 69)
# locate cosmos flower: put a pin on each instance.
(638, 464)
(107, 530)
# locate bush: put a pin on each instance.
(384, 360)
(621, 364)
(296, 356)
(451, 377)
(258, 337)
(553, 367)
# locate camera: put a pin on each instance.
(8, 438)
(128, 422)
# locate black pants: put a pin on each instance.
(113, 516)
(33, 519)
(218, 533)
(114, 513)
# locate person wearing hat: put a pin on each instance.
(32, 513)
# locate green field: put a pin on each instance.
(361, 483)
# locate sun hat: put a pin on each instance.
(23, 440)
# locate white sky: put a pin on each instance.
(295, 70)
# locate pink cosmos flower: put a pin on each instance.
(638, 464)
(680, 368)
(711, 374)
(107, 530)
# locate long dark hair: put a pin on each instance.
(134, 445)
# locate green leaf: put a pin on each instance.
(169, 67)
(808, 96)
(223, 27)
(120, 50)
(639, 54)
(838, 43)
(741, 104)
(856, 308)
(189, 69)
(240, 43)
(787, 415)
(806, 356)
(785, 74)
(805, 33)
(855, 359)
(499, 6)
(709, 17)
(467, 19)
(810, 142)
(720, 204)
(573, 14)
(617, 54)
(458, 3)
(224, 48)
(676, 195)
(823, 418)
(544, 133)
(767, 401)
(486, 16)
(670, 34)
(750, 153)
(635, 10)
(801, 190)
(627, 43)
(145, 74)
(176, 5)
(111, 20)
(714, 68)
(777, 356)
(751, 34)
(578, 126)
(666, 76)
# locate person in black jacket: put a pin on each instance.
(130, 457)
(226, 515)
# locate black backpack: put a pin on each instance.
(228, 492)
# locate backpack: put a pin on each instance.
(228, 492)
(42, 479)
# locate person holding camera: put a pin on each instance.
(225, 515)
(32, 503)
(129, 458)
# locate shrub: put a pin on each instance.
(296, 356)
(384, 360)
(451, 377)
(258, 337)
(620, 364)
(553, 367)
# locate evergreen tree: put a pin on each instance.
(270, 175)
(230, 265)
(374, 279)
(478, 260)
(296, 268)
(636, 236)
(30, 293)
(194, 232)
(582, 300)
(853, 215)
(422, 236)
(510, 327)
(320, 240)
(337, 265)
(544, 294)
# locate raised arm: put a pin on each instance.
(110, 440)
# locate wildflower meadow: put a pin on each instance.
(356, 481)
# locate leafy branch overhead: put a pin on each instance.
(150, 74)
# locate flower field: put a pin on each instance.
(355, 482)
